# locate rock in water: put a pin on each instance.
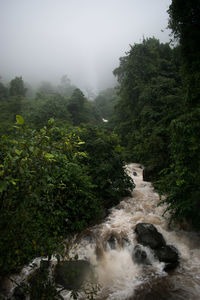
(139, 256)
(112, 242)
(71, 274)
(169, 255)
(148, 235)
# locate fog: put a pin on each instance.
(44, 39)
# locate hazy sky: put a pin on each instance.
(44, 39)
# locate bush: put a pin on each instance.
(45, 193)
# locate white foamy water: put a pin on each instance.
(119, 277)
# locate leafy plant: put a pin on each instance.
(45, 192)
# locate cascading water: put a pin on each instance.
(109, 248)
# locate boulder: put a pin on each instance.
(169, 255)
(39, 283)
(148, 235)
(134, 173)
(71, 274)
(44, 264)
(140, 256)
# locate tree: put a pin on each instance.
(182, 179)
(76, 107)
(185, 24)
(44, 107)
(45, 193)
(3, 92)
(53, 184)
(105, 165)
(65, 87)
(17, 87)
(149, 98)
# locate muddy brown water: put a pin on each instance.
(119, 277)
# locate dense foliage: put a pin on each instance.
(105, 165)
(150, 98)
(158, 115)
(50, 187)
(182, 180)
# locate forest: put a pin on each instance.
(62, 167)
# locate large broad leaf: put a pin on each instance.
(19, 119)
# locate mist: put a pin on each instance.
(43, 40)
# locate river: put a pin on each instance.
(109, 246)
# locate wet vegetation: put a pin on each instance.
(157, 116)
(61, 166)
(59, 171)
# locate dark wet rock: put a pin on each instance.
(71, 274)
(148, 173)
(44, 264)
(19, 294)
(148, 235)
(134, 173)
(140, 256)
(105, 213)
(112, 242)
(39, 284)
(169, 255)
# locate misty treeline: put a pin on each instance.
(62, 166)
(65, 102)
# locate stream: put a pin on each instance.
(109, 246)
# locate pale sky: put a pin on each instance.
(45, 39)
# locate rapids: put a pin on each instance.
(108, 247)
(119, 277)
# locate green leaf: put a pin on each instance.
(19, 119)
(81, 143)
(49, 156)
(18, 152)
(13, 181)
(83, 154)
(51, 121)
(31, 148)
